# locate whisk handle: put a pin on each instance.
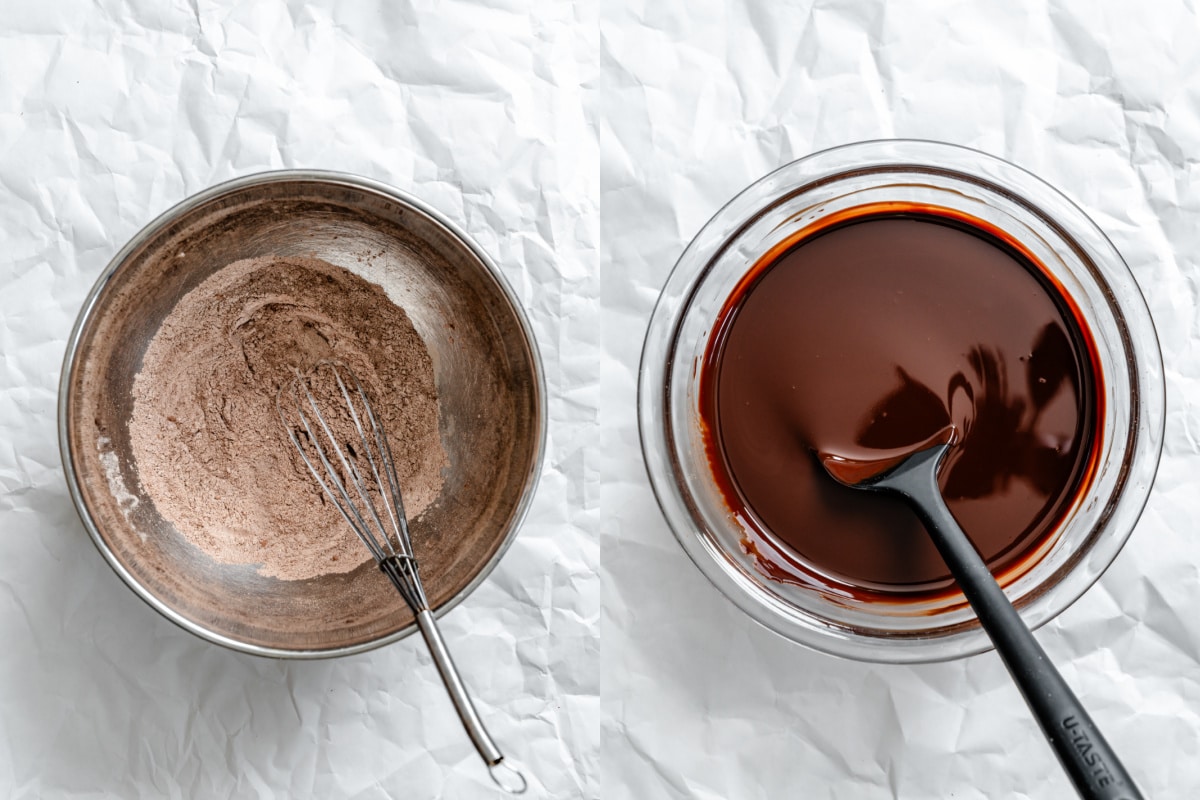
(487, 748)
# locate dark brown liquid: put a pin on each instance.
(872, 334)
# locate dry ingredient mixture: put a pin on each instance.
(210, 448)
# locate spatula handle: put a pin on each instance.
(1085, 755)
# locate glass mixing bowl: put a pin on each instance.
(1076, 255)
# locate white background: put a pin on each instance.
(583, 147)
(110, 113)
(700, 99)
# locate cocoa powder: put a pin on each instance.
(210, 449)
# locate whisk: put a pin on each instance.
(359, 477)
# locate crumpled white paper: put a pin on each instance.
(110, 112)
(701, 98)
(583, 148)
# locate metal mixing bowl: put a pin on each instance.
(489, 381)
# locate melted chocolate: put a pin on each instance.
(873, 334)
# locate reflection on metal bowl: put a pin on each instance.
(487, 371)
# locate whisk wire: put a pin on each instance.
(350, 468)
(385, 450)
(344, 504)
(389, 490)
(328, 478)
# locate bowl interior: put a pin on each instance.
(487, 377)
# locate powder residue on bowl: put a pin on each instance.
(210, 449)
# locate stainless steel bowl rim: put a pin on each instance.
(284, 176)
